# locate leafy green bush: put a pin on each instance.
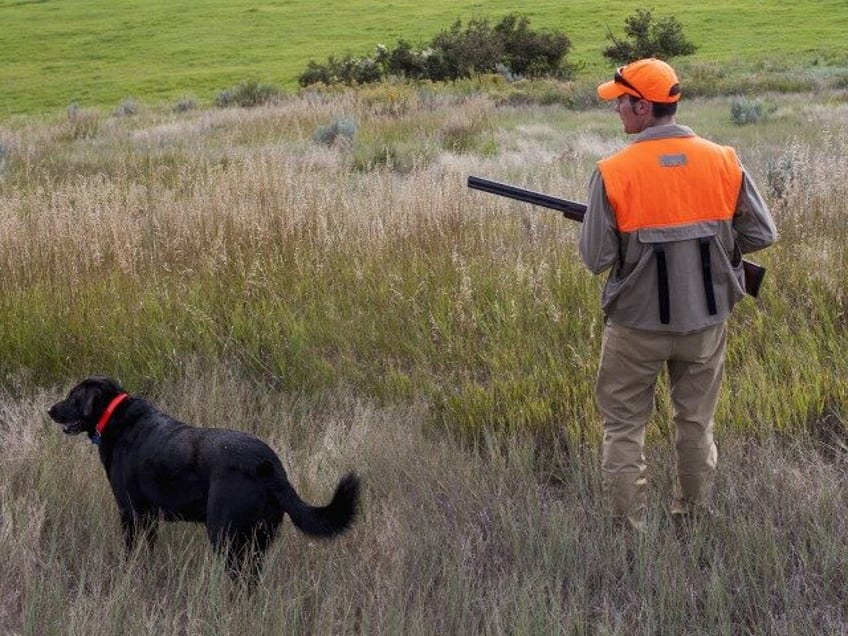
(648, 37)
(527, 53)
(406, 61)
(511, 47)
(348, 70)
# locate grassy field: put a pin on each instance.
(316, 272)
(98, 53)
(348, 299)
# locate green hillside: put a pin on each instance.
(99, 52)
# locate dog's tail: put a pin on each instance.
(323, 521)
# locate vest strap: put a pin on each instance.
(706, 271)
(662, 282)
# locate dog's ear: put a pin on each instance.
(96, 391)
(87, 402)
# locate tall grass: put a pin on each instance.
(377, 315)
(236, 238)
(491, 539)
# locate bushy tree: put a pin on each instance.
(406, 61)
(649, 37)
(463, 53)
(530, 53)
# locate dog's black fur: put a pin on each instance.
(160, 468)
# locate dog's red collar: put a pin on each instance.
(107, 414)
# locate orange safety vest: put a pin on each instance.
(700, 181)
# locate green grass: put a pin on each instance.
(98, 53)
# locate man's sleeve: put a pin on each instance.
(755, 228)
(599, 241)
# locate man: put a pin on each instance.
(670, 215)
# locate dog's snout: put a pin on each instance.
(56, 411)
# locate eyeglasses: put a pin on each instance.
(619, 79)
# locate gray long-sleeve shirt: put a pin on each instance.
(631, 292)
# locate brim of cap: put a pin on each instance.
(614, 90)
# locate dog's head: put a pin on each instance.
(86, 402)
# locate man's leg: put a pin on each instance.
(695, 374)
(630, 362)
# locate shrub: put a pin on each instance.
(348, 70)
(83, 123)
(127, 108)
(248, 95)
(407, 62)
(390, 98)
(528, 53)
(841, 81)
(746, 111)
(185, 105)
(511, 48)
(397, 156)
(781, 175)
(316, 73)
(704, 80)
(341, 130)
(549, 92)
(649, 38)
(464, 53)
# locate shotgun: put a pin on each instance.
(572, 210)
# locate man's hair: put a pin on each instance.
(660, 109)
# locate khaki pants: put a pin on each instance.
(631, 361)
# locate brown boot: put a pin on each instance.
(627, 494)
(690, 504)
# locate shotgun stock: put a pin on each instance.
(575, 211)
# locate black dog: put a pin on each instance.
(160, 468)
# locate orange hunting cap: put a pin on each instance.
(650, 79)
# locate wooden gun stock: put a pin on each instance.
(575, 211)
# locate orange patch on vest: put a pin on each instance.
(671, 182)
